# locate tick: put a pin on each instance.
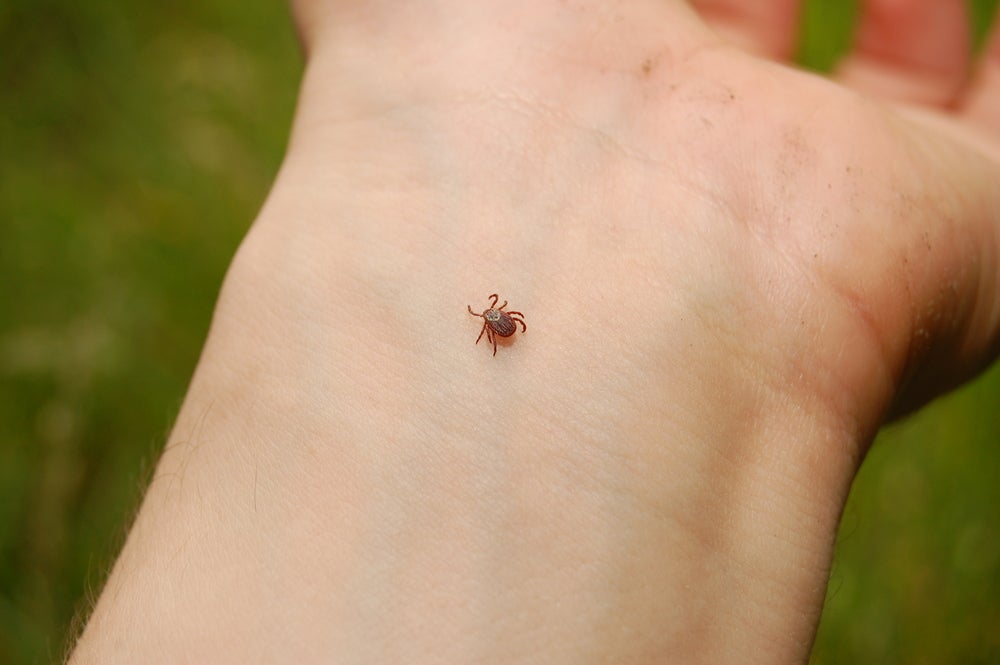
(497, 322)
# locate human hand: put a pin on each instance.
(730, 271)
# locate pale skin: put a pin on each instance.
(734, 272)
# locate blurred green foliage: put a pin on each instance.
(138, 141)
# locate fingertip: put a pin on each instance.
(910, 50)
(980, 102)
(765, 27)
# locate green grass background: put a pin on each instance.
(137, 142)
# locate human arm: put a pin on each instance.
(730, 271)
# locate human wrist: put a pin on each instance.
(703, 519)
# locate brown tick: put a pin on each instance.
(498, 322)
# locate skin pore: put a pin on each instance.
(734, 271)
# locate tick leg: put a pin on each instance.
(516, 317)
(471, 312)
(493, 338)
(495, 299)
(481, 333)
(503, 305)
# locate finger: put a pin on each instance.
(981, 101)
(766, 27)
(910, 50)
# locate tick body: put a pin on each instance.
(498, 323)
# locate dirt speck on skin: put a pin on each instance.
(797, 154)
(654, 61)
